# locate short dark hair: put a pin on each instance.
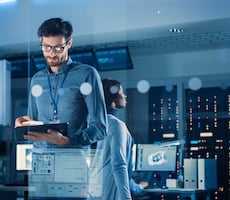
(55, 27)
(111, 90)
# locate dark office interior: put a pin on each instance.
(172, 58)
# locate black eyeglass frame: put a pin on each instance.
(55, 49)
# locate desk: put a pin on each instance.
(183, 192)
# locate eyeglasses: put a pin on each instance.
(55, 49)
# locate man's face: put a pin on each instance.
(55, 50)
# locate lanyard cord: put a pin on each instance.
(55, 103)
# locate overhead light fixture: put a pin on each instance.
(176, 30)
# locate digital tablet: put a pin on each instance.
(21, 130)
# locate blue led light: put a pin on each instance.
(194, 142)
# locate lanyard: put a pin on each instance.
(55, 101)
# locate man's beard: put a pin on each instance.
(55, 61)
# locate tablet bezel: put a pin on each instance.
(21, 130)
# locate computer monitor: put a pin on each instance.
(64, 173)
(152, 157)
(24, 157)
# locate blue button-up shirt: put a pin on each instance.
(85, 112)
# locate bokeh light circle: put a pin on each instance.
(114, 89)
(36, 90)
(195, 83)
(86, 88)
(143, 86)
(60, 91)
(169, 88)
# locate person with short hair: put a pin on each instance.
(62, 97)
(64, 92)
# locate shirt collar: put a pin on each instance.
(63, 69)
(112, 111)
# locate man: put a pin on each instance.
(62, 97)
(65, 91)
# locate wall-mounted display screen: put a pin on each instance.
(106, 59)
(113, 59)
(21, 67)
(85, 57)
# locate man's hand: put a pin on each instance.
(144, 184)
(21, 121)
(51, 136)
